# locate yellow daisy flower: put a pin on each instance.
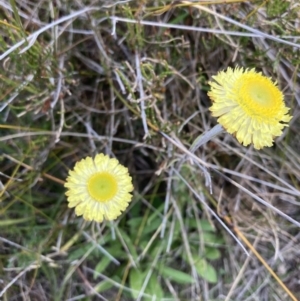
(99, 188)
(248, 105)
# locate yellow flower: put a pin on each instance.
(248, 105)
(99, 188)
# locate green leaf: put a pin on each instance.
(129, 244)
(176, 276)
(136, 280)
(212, 239)
(204, 225)
(206, 271)
(154, 288)
(101, 266)
(116, 250)
(212, 253)
(103, 286)
(134, 222)
(157, 247)
(9, 222)
(80, 250)
(152, 226)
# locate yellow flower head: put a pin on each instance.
(248, 105)
(99, 188)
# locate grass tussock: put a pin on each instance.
(130, 79)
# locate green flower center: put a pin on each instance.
(259, 96)
(102, 186)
